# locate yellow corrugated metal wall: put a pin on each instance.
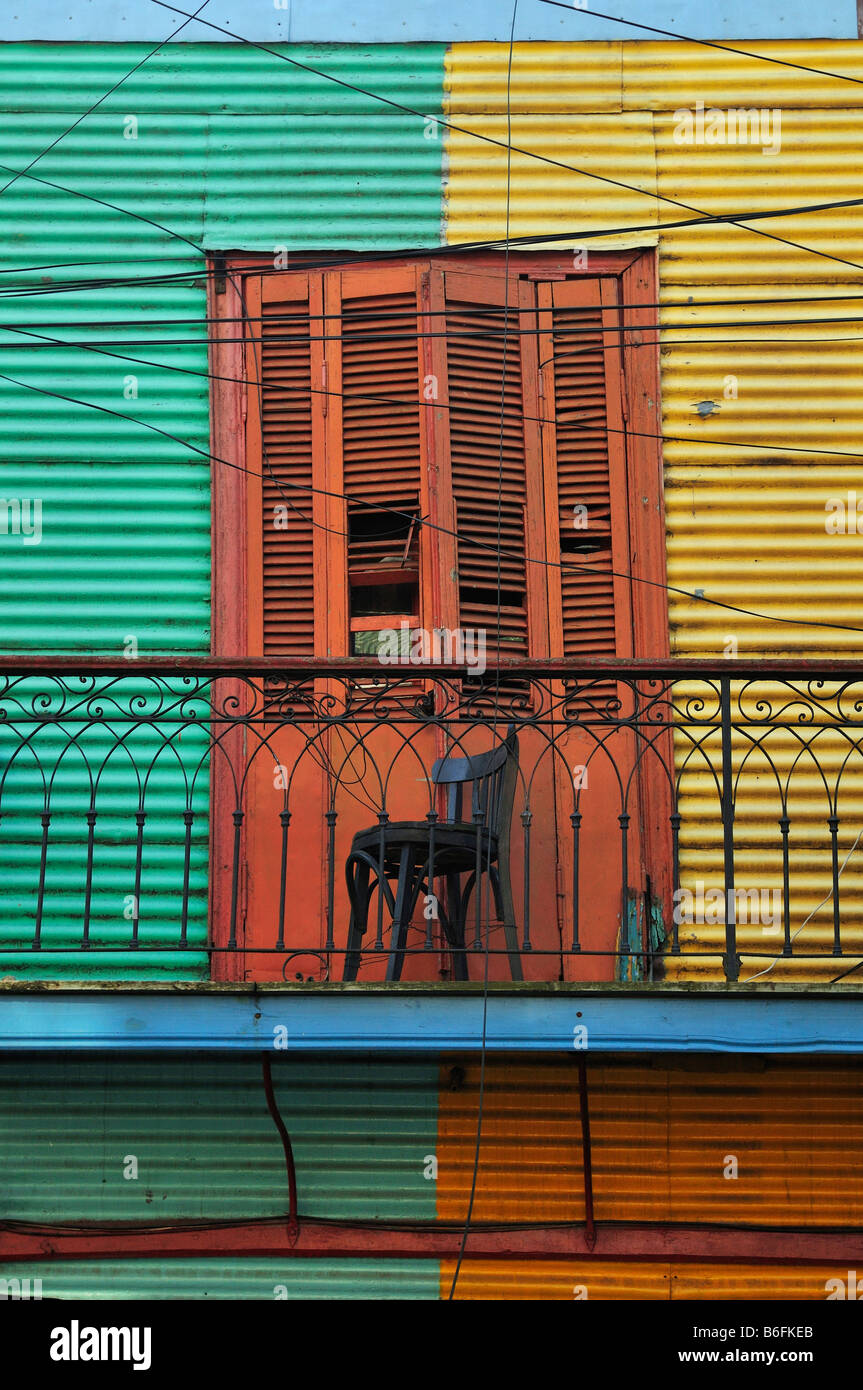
(744, 524)
(662, 1137)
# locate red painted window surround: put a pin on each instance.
(381, 387)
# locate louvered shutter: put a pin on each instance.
(585, 470)
(289, 439)
(496, 473)
(380, 408)
(376, 445)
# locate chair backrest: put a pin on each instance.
(493, 777)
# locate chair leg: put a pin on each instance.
(454, 929)
(357, 875)
(400, 915)
(503, 902)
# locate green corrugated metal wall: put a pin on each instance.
(204, 1140)
(233, 1279)
(225, 136)
(206, 1147)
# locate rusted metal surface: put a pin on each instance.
(696, 1244)
(735, 1144)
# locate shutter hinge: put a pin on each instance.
(220, 271)
(324, 386)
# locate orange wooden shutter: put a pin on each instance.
(286, 413)
(585, 470)
(376, 437)
(498, 493)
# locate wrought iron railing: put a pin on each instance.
(200, 817)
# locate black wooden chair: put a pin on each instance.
(461, 846)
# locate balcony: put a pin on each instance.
(193, 821)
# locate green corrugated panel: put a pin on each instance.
(234, 149)
(232, 1278)
(200, 78)
(204, 1141)
(161, 767)
(228, 140)
(348, 199)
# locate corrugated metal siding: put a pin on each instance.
(605, 1280)
(745, 525)
(205, 1143)
(640, 75)
(223, 135)
(223, 132)
(660, 1137)
(542, 196)
(205, 78)
(556, 1280)
(661, 76)
(816, 165)
(232, 1279)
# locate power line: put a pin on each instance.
(706, 43)
(735, 220)
(336, 259)
(104, 97)
(538, 419)
(490, 332)
(581, 568)
(503, 383)
(478, 311)
(514, 149)
(102, 202)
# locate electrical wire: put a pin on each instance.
(104, 97)
(581, 568)
(496, 711)
(336, 259)
(477, 311)
(420, 335)
(705, 43)
(808, 919)
(189, 17)
(302, 407)
(512, 149)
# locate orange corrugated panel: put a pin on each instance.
(780, 1282)
(556, 1280)
(530, 1157)
(663, 1138)
(613, 1280)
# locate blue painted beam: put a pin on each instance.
(413, 1021)
(423, 21)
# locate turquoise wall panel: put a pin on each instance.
(220, 146)
(204, 1142)
(232, 1279)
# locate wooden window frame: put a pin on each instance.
(236, 628)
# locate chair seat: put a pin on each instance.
(454, 845)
